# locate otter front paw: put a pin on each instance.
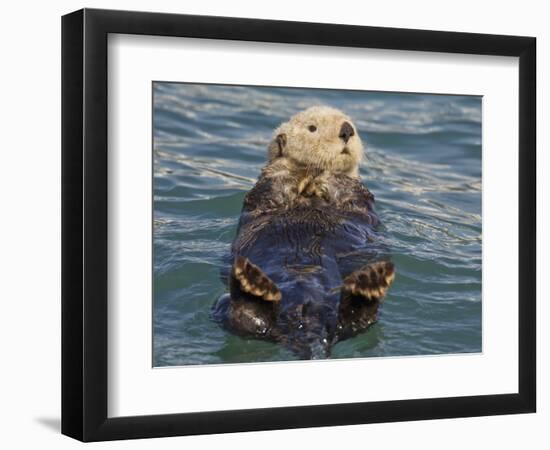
(315, 187)
(370, 282)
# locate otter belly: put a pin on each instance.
(289, 278)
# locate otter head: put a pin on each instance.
(321, 138)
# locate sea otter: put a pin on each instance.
(307, 269)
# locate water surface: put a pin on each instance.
(423, 165)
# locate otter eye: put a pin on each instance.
(312, 128)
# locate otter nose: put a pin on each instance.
(346, 132)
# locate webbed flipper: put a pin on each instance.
(361, 295)
(250, 279)
(370, 282)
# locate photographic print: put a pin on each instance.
(293, 225)
(313, 224)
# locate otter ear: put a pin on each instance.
(277, 145)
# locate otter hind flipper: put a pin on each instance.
(252, 280)
(370, 282)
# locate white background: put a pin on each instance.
(135, 389)
(30, 236)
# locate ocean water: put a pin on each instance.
(423, 164)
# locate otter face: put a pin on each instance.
(321, 138)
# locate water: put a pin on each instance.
(423, 165)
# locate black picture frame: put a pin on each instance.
(84, 224)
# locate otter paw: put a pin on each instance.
(253, 281)
(370, 282)
(317, 187)
(303, 185)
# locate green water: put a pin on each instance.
(423, 165)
